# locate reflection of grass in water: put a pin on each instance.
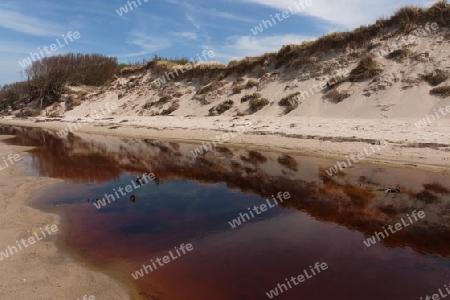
(426, 197)
(254, 157)
(360, 196)
(288, 162)
(436, 187)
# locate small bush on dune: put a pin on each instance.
(173, 107)
(251, 83)
(237, 89)
(399, 54)
(437, 77)
(211, 87)
(290, 102)
(366, 69)
(336, 96)
(250, 97)
(178, 94)
(165, 99)
(442, 91)
(258, 104)
(221, 108)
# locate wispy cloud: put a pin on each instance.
(347, 13)
(188, 35)
(190, 18)
(226, 15)
(27, 24)
(146, 43)
(241, 46)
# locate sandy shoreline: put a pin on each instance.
(426, 149)
(41, 270)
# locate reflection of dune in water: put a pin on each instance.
(354, 198)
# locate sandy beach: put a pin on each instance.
(426, 148)
(41, 270)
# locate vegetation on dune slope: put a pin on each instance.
(46, 79)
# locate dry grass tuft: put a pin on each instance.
(436, 77)
(442, 91)
(237, 89)
(258, 103)
(400, 54)
(436, 187)
(221, 108)
(173, 107)
(251, 83)
(290, 102)
(366, 69)
(250, 97)
(211, 87)
(336, 96)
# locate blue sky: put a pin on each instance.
(172, 28)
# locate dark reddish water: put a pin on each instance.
(193, 199)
